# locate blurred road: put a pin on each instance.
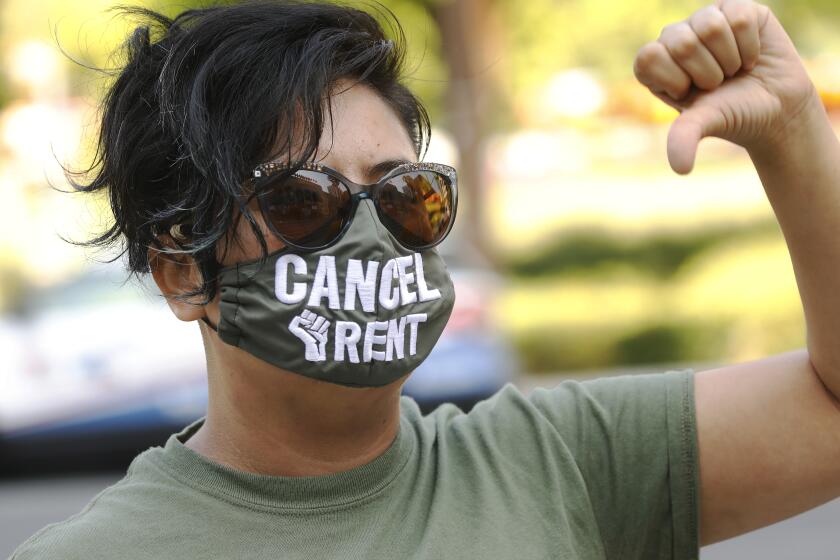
(28, 505)
(810, 536)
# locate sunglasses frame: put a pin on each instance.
(358, 191)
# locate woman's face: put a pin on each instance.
(364, 132)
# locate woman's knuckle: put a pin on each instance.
(709, 30)
(679, 91)
(666, 32)
(710, 81)
(740, 21)
(647, 56)
(640, 70)
(684, 44)
(709, 23)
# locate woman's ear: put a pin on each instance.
(177, 274)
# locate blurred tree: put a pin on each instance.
(812, 24)
(798, 15)
(5, 90)
(470, 35)
(545, 37)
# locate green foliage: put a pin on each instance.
(5, 91)
(15, 288)
(547, 36)
(563, 349)
(654, 344)
(800, 16)
(660, 255)
(734, 301)
(671, 342)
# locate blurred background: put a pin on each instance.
(577, 252)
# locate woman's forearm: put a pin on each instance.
(800, 171)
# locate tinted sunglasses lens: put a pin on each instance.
(417, 207)
(309, 208)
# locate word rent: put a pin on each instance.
(393, 284)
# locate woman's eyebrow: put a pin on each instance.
(384, 167)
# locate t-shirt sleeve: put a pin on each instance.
(634, 440)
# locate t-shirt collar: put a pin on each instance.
(286, 492)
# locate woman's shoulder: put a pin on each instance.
(72, 537)
(587, 427)
(508, 422)
(125, 512)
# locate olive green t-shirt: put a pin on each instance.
(600, 469)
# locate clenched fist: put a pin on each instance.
(732, 72)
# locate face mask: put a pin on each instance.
(362, 312)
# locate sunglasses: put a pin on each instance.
(310, 206)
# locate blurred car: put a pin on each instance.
(97, 369)
(104, 372)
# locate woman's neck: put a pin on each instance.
(269, 421)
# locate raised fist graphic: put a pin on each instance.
(312, 330)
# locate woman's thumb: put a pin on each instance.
(686, 132)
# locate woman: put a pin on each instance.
(260, 161)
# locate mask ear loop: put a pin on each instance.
(209, 324)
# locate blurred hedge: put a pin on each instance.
(723, 295)
(558, 349)
(660, 255)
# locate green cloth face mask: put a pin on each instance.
(363, 312)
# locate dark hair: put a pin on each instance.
(205, 97)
